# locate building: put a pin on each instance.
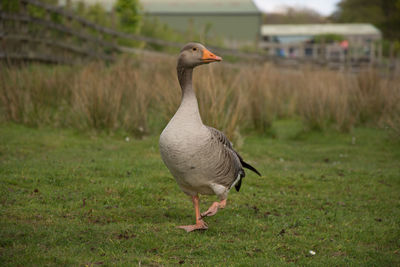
(288, 33)
(312, 40)
(236, 22)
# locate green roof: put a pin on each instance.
(199, 7)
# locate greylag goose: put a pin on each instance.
(201, 158)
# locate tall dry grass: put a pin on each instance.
(139, 95)
(36, 95)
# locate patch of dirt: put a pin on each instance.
(125, 235)
(339, 254)
(282, 232)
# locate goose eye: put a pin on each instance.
(194, 48)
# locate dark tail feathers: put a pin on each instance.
(248, 166)
(239, 183)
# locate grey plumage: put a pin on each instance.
(201, 158)
(235, 159)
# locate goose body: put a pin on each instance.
(200, 163)
(201, 158)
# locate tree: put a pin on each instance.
(384, 14)
(128, 15)
(292, 15)
(97, 14)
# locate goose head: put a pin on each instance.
(195, 54)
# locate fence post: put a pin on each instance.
(371, 54)
(391, 56)
(301, 51)
(114, 27)
(23, 27)
(380, 53)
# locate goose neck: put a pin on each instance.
(185, 79)
(189, 105)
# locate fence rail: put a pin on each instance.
(24, 36)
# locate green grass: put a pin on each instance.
(71, 198)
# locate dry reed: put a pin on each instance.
(140, 94)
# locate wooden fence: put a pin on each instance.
(41, 32)
(55, 35)
(358, 55)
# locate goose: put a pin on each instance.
(200, 158)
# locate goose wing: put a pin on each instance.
(230, 168)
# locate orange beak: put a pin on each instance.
(210, 57)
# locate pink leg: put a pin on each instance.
(200, 224)
(212, 210)
(222, 204)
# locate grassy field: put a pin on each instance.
(70, 198)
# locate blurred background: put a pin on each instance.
(275, 54)
(308, 92)
(348, 32)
